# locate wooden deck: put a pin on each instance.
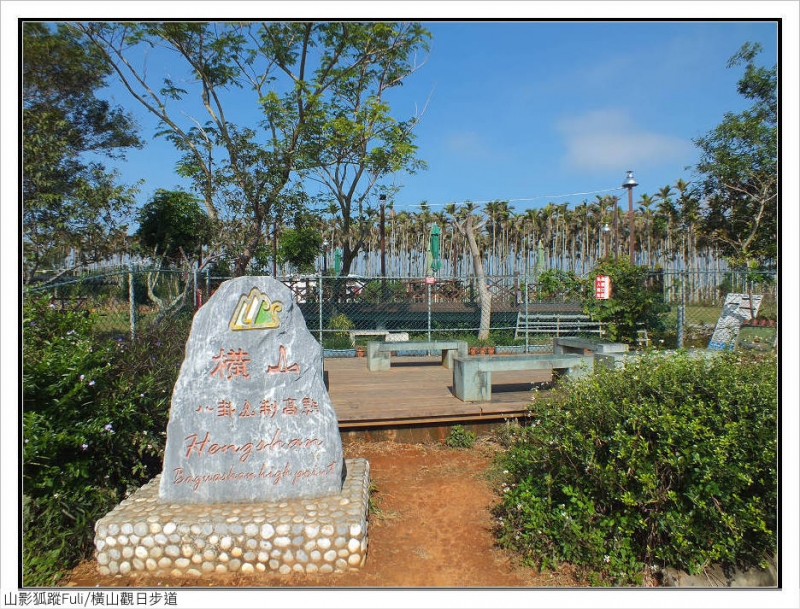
(417, 392)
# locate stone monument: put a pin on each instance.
(738, 308)
(254, 478)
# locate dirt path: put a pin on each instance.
(432, 528)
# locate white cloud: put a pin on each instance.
(603, 140)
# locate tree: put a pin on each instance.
(738, 168)
(70, 200)
(559, 284)
(300, 245)
(296, 73)
(173, 226)
(633, 304)
(357, 142)
(466, 226)
(645, 201)
(172, 229)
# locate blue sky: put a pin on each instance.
(528, 111)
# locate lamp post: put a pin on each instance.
(605, 230)
(629, 183)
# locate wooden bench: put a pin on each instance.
(556, 323)
(579, 346)
(379, 353)
(472, 376)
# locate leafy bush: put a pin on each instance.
(300, 247)
(668, 463)
(460, 437)
(337, 342)
(173, 224)
(94, 424)
(341, 323)
(504, 337)
(560, 284)
(378, 291)
(634, 303)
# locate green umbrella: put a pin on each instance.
(435, 263)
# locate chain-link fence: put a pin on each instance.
(123, 300)
(344, 311)
(696, 299)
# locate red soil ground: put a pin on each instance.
(432, 528)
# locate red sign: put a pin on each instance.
(430, 280)
(602, 287)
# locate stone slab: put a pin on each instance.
(737, 309)
(619, 360)
(379, 353)
(250, 417)
(574, 344)
(472, 378)
(397, 337)
(328, 534)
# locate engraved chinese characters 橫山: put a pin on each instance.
(250, 418)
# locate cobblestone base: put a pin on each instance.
(322, 535)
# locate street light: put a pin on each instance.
(605, 230)
(629, 183)
(325, 257)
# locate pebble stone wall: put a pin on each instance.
(322, 535)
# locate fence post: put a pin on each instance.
(321, 294)
(527, 290)
(131, 305)
(429, 310)
(682, 310)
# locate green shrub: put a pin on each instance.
(460, 437)
(668, 463)
(341, 323)
(377, 291)
(337, 342)
(94, 424)
(504, 337)
(559, 284)
(636, 301)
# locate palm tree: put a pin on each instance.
(580, 221)
(450, 215)
(530, 227)
(547, 213)
(665, 220)
(645, 201)
(516, 241)
(608, 212)
(688, 208)
(439, 218)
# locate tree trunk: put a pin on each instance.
(485, 296)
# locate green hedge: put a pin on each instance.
(671, 462)
(94, 419)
